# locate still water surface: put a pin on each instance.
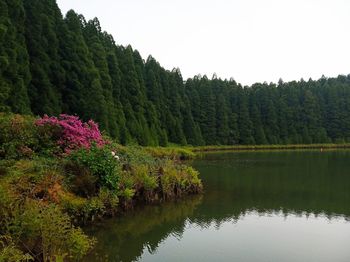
(257, 206)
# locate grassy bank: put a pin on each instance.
(57, 174)
(188, 152)
(171, 152)
(266, 147)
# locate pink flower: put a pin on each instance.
(74, 133)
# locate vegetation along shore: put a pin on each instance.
(267, 147)
(59, 173)
(177, 152)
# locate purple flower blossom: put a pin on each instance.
(74, 133)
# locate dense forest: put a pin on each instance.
(50, 64)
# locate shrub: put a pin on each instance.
(44, 230)
(59, 237)
(127, 194)
(94, 208)
(143, 178)
(81, 181)
(135, 155)
(74, 206)
(10, 253)
(110, 200)
(35, 179)
(84, 210)
(193, 184)
(17, 136)
(169, 179)
(179, 179)
(6, 199)
(21, 138)
(79, 244)
(101, 163)
(126, 189)
(74, 134)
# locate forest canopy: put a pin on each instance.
(50, 64)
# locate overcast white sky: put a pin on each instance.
(249, 40)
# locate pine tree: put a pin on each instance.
(15, 74)
(4, 62)
(208, 114)
(83, 93)
(258, 131)
(244, 122)
(42, 19)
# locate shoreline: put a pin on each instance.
(268, 147)
(180, 153)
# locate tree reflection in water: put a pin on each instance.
(295, 183)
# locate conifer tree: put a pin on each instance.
(14, 71)
(244, 122)
(83, 93)
(42, 19)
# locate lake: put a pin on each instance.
(257, 206)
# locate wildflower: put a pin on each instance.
(113, 153)
(116, 157)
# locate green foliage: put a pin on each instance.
(59, 237)
(47, 74)
(17, 136)
(79, 244)
(21, 138)
(177, 180)
(127, 193)
(180, 153)
(52, 64)
(193, 177)
(83, 210)
(101, 163)
(143, 178)
(10, 253)
(110, 200)
(135, 155)
(14, 69)
(44, 193)
(34, 220)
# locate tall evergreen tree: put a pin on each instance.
(83, 93)
(42, 19)
(14, 71)
(244, 122)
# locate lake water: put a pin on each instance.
(257, 206)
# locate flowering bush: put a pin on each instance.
(101, 163)
(74, 133)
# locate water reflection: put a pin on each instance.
(251, 195)
(125, 238)
(297, 182)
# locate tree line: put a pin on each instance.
(50, 64)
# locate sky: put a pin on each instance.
(248, 40)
